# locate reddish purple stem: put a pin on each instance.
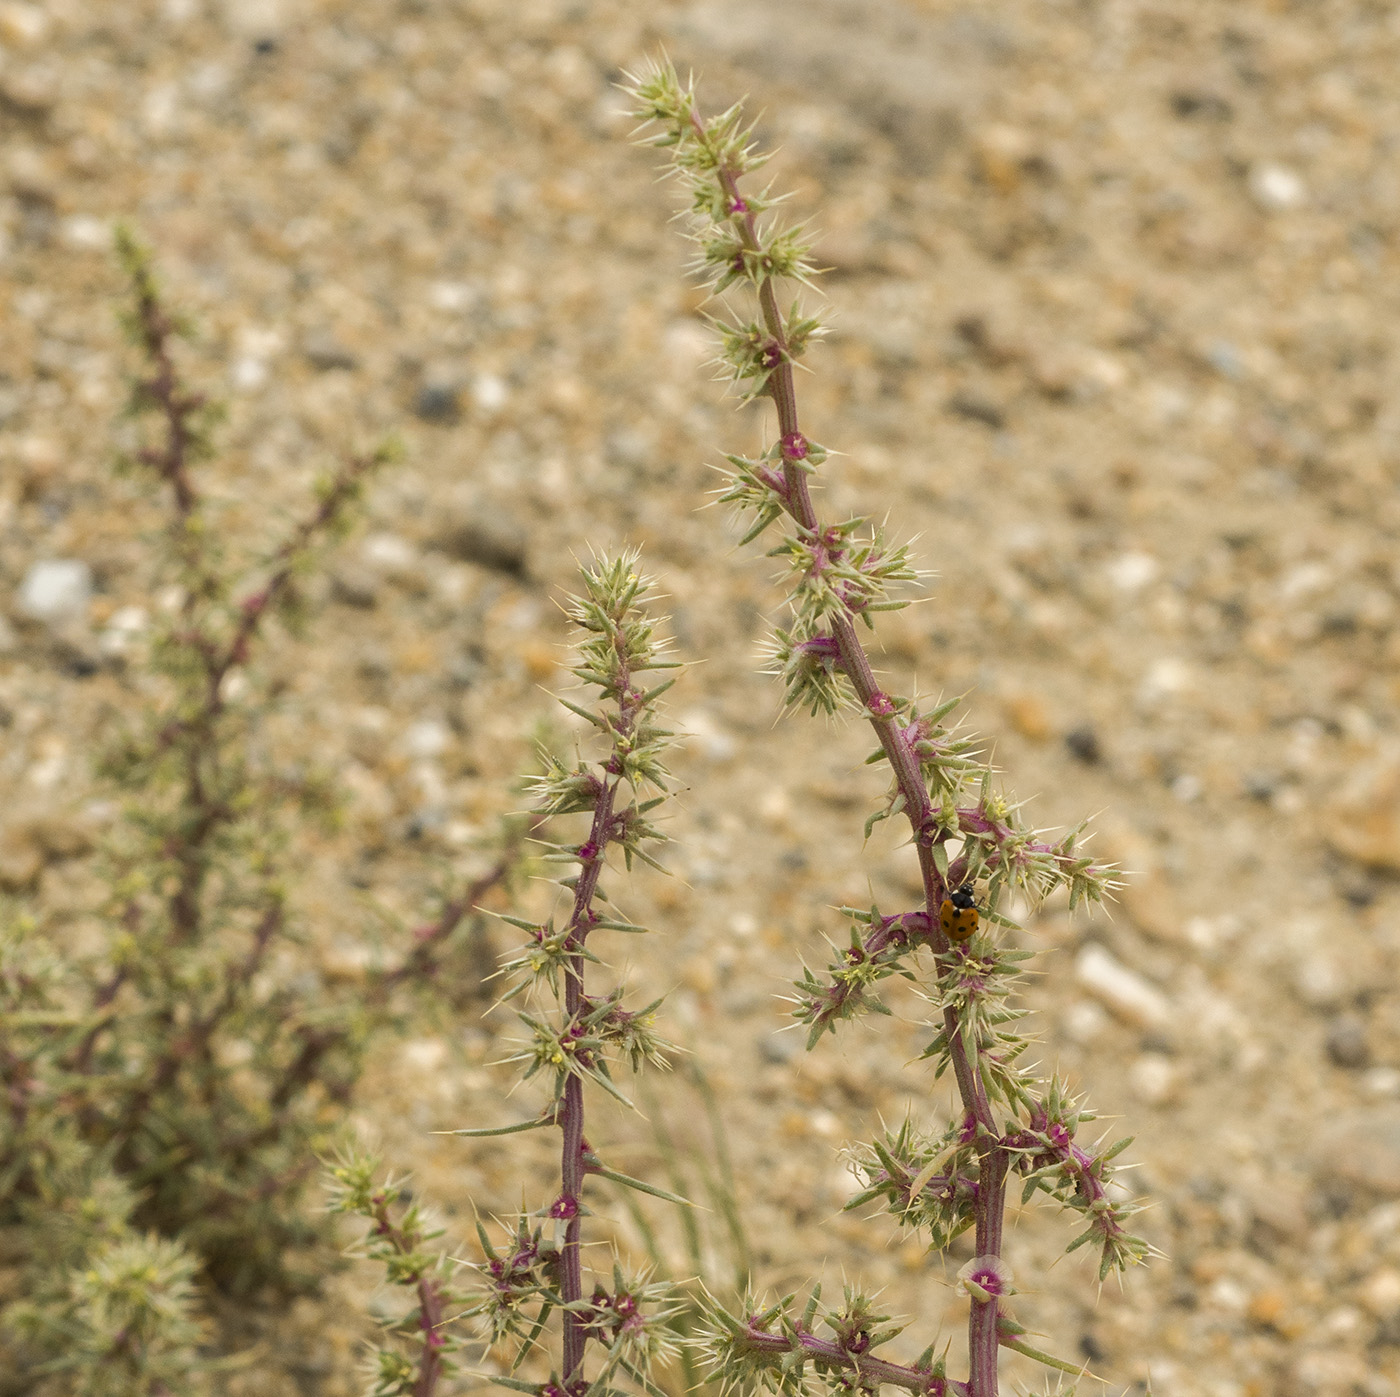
(904, 762)
(604, 828)
(873, 1370)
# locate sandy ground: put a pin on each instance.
(1113, 311)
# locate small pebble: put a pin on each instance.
(1153, 1077)
(1380, 1292)
(1346, 1042)
(779, 1048)
(1085, 1021)
(1382, 1081)
(438, 403)
(22, 24)
(1122, 991)
(1363, 823)
(121, 630)
(1259, 785)
(324, 352)
(427, 738)
(1361, 1148)
(488, 538)
(389, 554)
(1276, 188)
(1129, 573)
(1083, 744)
(704, 729)
(1267, 1308)
(977, 409)
(21, 859)
(354, 586)
(1028, 716)
(490, 392)
(55, 591)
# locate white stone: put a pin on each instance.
(1085, 1021)
(1166, 677)
(1131, 572)
(714, 742)
(1382, 1081)
(1380, 1292)
(451, 296)
(424, 1054)
(490, 392)
(22, 25)
(1120, 990)
(388, 553)
(1303, 580)
(56, 590)
(427, 738)
(1153, 1077)
(125, 625)
(1276, 187)
(254, 18)
(248, 373)
(1187, 788)
(84, 233)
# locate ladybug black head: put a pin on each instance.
(962, 898)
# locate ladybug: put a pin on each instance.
(958, 914)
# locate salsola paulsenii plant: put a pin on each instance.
(577, 1032)
(399, 1239)
(974, 850)
(166, 1082)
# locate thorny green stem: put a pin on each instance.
(797, 501)
(431, 1316)
(865, 1369)
(600, 832)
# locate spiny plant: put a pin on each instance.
(166, 1088)
(576, 1035)
(421, 1345)
(973, 848)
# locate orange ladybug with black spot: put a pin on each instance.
(958, 914)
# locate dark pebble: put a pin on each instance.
(977, 410)
(1200, 104)
(778, 1048)
(438, 403)
(1083, 743)
(325, 353)
(489, 540)
(352, 586)
(1259, 785)
(1346, 1042)
(1091, 1348)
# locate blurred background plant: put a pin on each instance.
(166, 1090)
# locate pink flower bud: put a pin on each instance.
(794, 446)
